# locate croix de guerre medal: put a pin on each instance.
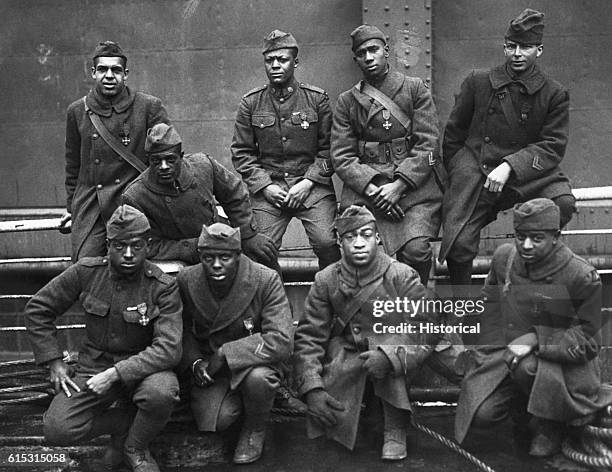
(386, 115)
(142, 311)
(304, 124)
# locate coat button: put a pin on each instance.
(168, 199)
(284, 138)
(281, 100)
(94, 136)
(96, 161)
(99, 186)
(283, 118)
(487, 139)
(491, 111)
(484, 166)
(261, 125)
(286, 174)
(356, 330)
(117, 181)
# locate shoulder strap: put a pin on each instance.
(252, 91)
(125, 154)
(508, 270)
(312, 88)
(389, 104)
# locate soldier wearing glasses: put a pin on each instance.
(132, 342)
(503, 144)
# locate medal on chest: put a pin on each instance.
(125, 135)
(305, 124)
(386, 115)
(142, 311)
(249, 325)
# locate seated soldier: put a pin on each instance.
(337, 347)
(132, 341)
(539, 342)
(237, 331)
(177, 193)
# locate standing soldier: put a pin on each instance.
(237, 331)
(105, 139)
(338, 346)
(281, 149)
(178, 194)
(132, 341)
(384, 146)
(503, 144)
(538, 348)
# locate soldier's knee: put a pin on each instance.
(229, 412)
(567, 208)
(261, 379)
(158, 394)
(57, 432)
(416, 250)
(525, 371)
(488, 415)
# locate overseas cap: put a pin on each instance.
(127, 222)
(527, 28)
(363, 33)
(278, 39)
(220, 236)
(352, 218)
(109, 49)
(161, 138)
(537, 215)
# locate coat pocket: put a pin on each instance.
(93, 305)
(263, 121)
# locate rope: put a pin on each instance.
(453, 446)
(586, 459)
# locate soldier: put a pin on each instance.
(237, 331)
(540, 336)
(132, 341)
(338, 348)
(503, 144)
(281, 149)
(384, 146)
(177, 194)
(105, 137)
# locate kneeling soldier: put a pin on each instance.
(238, 330)
(338, 347)
(132, 341)
(540, 336)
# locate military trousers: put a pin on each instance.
(318, 222)
(85, 415)
(93, 244)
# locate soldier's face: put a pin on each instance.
(220, 265)
(371, 57)
(359, 246)
(280, 66)
(533, 246)
(166, 167)
(110, 75)
(127, 256)
(521, 57)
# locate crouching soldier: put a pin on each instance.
(238, 330)
(338, 345)
(540, 337)
(132, 341)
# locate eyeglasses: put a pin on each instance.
(136, 246)
(515, 47)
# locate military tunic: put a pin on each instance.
(338, 324)
(253, 324)
(176, 214)
(364, 151)
(478, 137)
(96, 175)
(558, 299)
(283, 140)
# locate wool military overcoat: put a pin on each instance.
(479, 136)
(365, 151)
(558, 299)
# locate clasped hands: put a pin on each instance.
(385, 198)
(292, 198)
(205, 370)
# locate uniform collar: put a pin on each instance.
(389, 85)
(554, 261)
(184, 181)
(116, 276)
(532, 80)
(354, 278)
(284, 92)
(104, 107)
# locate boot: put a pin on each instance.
(423, 268)
(460, 273)
(394, 445)
(250, 445)
(113, 456)
(547, 438)
(140, 460)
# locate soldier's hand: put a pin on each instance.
(498, 177)
(376, 363)
(200, 374)
(260, 248)
(102, 382)
(298, 193)
(216, 363)
(59, 376)
(275, 195)
(323, 408)
(65, 223)
(389, 194)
